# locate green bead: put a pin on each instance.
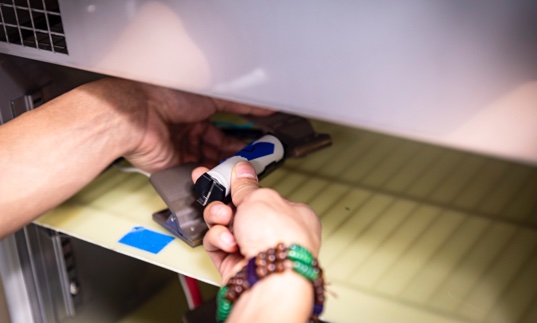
(301, 254)
(306, 271)
(223, 305)
(221, 296)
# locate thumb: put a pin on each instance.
(243, 182)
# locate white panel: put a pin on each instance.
(458, 73)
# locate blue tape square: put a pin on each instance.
(142, 238)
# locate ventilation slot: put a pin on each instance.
(32, 23)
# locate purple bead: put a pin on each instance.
(251, 275)
(318, 309)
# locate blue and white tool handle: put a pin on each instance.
(217, 182)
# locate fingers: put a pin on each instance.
(234, 107)
(243, 182)
(197, 172)
(216, 138)
(219, 238)
(217, 213)
(218, 146)
(219, 243)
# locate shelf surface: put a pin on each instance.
(411, 232)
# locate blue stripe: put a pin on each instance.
(256, 150)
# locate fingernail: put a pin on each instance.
(244, 170)
(227, 238)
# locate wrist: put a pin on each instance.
(122, 104)
(286, 297)
(299, 263)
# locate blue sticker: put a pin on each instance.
(142, 238)
(256, 150)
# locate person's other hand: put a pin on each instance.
(169, 127)
(260, 220)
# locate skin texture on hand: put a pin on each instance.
(170, 127)
(50, 153)
(261, 218)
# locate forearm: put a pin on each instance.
(48, 154)
(285, 297)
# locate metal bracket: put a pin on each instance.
(184, 216)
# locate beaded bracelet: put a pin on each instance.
(268, 262)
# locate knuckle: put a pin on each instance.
(239, 191)
(210, 240)
(263, 196)
(207, 244)
(207, 214)
(267, 193)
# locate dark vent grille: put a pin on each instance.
(32, 23)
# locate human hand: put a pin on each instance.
(260, 220)
(81, 132)
(166, 127)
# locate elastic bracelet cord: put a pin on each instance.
(266, 263)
